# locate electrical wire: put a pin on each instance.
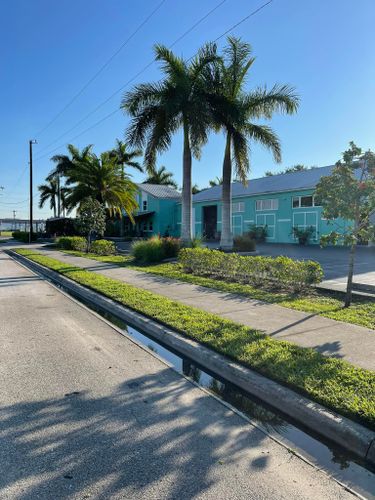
(101, 69)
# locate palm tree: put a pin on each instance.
(218, 181)
(124, 156)
(161, 176)
(159, 110)
(49, 191)
(237, 122)
(103, 179)
(66, 163)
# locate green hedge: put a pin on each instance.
(277, 272)
(24, 236)
(79, 244)
(155, 249)
(348, 389)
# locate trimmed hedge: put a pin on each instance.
(155, 249)
(277, 272)
(24, 236)
(79, 244)
(244, 244)
(333, 382)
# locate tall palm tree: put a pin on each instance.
(159, 110)
(218, 181)
(237, 123)
(101, 178)
(161, 176)
(49, 192)
(124, 156)
(66, 163)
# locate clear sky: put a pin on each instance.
(49, 49)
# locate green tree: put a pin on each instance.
(49, 192)
(126, 157)
(349, 193)
(91, 219)
(159, 110)
(102, 179)
(235, 110)
(161, 176)
(289, 170)
(218, 181)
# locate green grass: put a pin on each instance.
(334, 383)
(361, 312)
(6, 233)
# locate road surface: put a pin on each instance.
(86, 413)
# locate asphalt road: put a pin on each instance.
(86, 413)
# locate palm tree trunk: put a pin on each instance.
(186, 219)
(226, 241)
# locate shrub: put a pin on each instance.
(278, 272)
(103, 247)
(258, 233)
(155, 249)
(244, 243)
(24, 236)
(303, 235)
(77, 243)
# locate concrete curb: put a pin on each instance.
(346, 433)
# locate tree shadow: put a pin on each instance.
(134, 442)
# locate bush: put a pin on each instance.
(24, 236)
(77, 243)
(244, 243)
(278, 272)
(303, 235)
(155, 249)
(258, 233)
(103, 247)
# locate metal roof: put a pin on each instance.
(160, 191)
(306, 179)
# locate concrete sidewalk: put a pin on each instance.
(353, 343)
(86, 413)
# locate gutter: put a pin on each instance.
(348, 434)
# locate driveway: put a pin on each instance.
(87, 413)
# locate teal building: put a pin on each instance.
(278, 203)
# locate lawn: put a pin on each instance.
(6, 233)
(361, 312)
(335, 383)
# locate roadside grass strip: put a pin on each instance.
(335, 383)
(329, 305)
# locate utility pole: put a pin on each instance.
(31, 142)
(14, 220)
(58, 196)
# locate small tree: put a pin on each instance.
(349, 193)
(91, 219)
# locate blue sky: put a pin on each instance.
(49, 49)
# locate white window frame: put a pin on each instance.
(144, 205)
(305, 226)
(238, 207)
(236, 224)
(261, 207)
(268, 225)
(299, 201)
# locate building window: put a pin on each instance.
(144, 205)
(271, 204)
(150, 227)
(305, 201)
(238, 207)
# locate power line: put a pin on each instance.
(101, 69)
(127, 83)
(117, 110)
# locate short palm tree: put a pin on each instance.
(237, 122)
(159, 110)
(124, 156)
(161, 176)
(66, 163)
(218, 181)
(103, 179)
(49, 192)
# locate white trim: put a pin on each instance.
(284, 220)
(198, 222)
(179, 223)
(315, 236)
(237, 225)
(249, 220)
(268, 225)
(274, 202)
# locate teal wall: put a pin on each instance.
(279, 221)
